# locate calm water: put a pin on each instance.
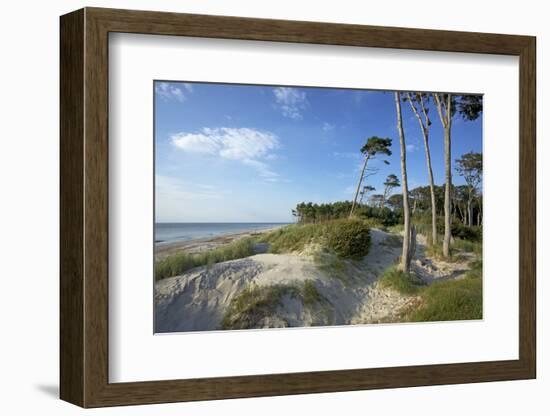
(168, 232)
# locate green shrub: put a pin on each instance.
(178, 263)
(294, 237)
(404, 283)
(349, 238)
(384, 216)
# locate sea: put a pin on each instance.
(168, 232)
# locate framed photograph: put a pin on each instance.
(255, 207)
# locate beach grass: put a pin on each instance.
(404, 283)
(178, 263)
(449, 300)
(452, 300)
(347, 238)
(255, 303)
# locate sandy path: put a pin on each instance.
(198, 299)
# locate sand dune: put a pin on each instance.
(199, 298)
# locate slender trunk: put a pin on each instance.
(406, 254)
(448, 183)
(424, 126)
(359, 186)
(444, 104)
(470, 213)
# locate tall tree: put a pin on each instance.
(419, 102)
(373, 147)
(470, 167)
(408, 243)
(445, 108)
(391, 182)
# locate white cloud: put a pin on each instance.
(327, 126)
(168, 91)
(248, 146)
(411, 148)
(290, 101)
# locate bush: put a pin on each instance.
(349, 238)
(384, 216)
(459, 230)
(294, 237)
(404, 283)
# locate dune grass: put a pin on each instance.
(255, 303)
(178, 263)
(348, 238)
(294, 237)
(450, 300)
(405, 283)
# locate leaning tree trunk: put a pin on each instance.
(359, 186)
(406, 254)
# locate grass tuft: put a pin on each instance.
(404, 283)
(178, 263)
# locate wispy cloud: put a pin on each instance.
(327, 126)
(178, 190)
(248, 146)
(290, 101)
(348, 155)
(173, 91)
(411, 148)
(350, 189)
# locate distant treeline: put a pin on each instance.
(389, 211)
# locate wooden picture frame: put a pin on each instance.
(84, 207)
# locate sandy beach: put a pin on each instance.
(204, 244)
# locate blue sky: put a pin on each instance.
(239, 153)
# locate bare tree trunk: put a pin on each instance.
(445, 114)
(406, 254)
(470, 213)
(424, 126)
(359, 186)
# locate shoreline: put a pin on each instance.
(164, 249)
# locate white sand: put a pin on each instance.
(198, 299)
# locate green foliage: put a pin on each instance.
(310, 294)
(255, 303)
(452, 300)
(294, 237)
(377, 145)
(384, 216)
(404, 283)
(467, 246)
(349, 238)
(178, 263)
